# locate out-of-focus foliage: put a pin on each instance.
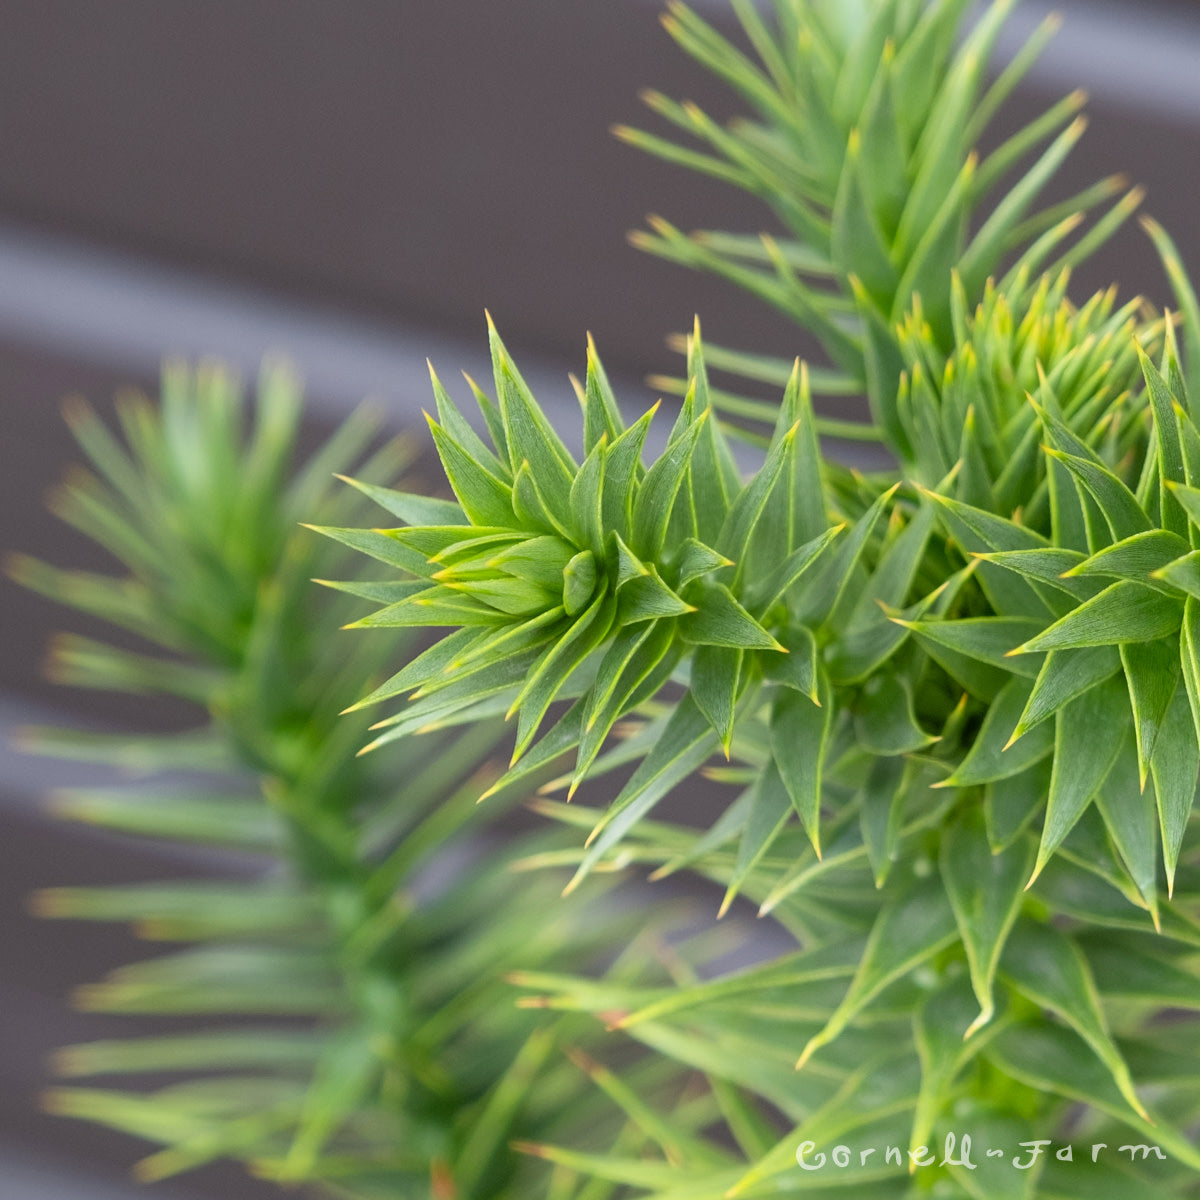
(350, 1021)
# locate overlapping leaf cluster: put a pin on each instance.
(880, 800)
(593, 582)
(350, 1023)
(959, 700)
(977, 724)
(862, 139)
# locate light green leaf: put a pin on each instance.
(986, 891)
(1124, 612)
(656, 495)
(1174, 768)
(531, 438)
(647, 598)
(1142, 554)
(1088, 733)
(798, 667)
(885, 721)
(1151, 671)
(993, 755)
(914, 924)
(485, 499)
(410, 508)
(769, 811)
(716, 675)
(1051, 1058)
(601, 416)
(1066, 674)
(1049, 968)
(799, 740)
(1183, 573)
(719, 620)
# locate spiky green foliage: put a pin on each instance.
(592, 582)
(885, 795)
(863, 141)
(958, 700)
(974, 726)
(367, 1041)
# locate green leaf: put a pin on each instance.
(799, 739)
(431, 607)
(579, 582)
(986, 891)
(1088, 733)
(719, 620)
(1065, 675)
(339, 1086)
(1051, 970)
(1183, 573)
(762, 595)
(984, 639)
(1009, 804)
(1174, 768)
(981, 532)
(1125, 966)
(883, 800)
(485, 499)
(219, 820)
(913, 925)
(1142, 554)
(556, 665)
(634, 654)
(587, 500)
(747, 509)
(233, 1049)
(457, 428)
(1128, 812)
(798, 667)
(1170, 448)
(769, 811)
(818, 601)
(716, 674)
(656, 495)
(858, 244)
(685, 744)
(993, 755)
(531, 508)
(1050, 565)
(622, 467)
(647, 598)
(885, 722)
(695, 559)
(531, 438)
(410, 508)
(601, 416)
(942, 1031)
(1124, 612)
(1151, 671)
(1124, 515)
